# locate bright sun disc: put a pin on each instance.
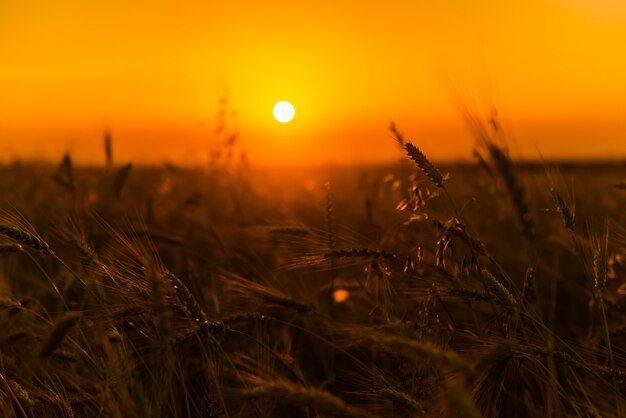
(284, 111)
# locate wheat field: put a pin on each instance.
(492, 288)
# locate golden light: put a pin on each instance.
(284, 111)
(341, 295)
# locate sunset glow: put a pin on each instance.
(163, 77)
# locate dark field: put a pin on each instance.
(227, 291)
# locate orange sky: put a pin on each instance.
(153, 73)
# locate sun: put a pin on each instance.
(284, 111)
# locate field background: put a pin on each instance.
(488, 288)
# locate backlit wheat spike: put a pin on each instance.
(64, 175)
(503, 164)
(120, 178)
(501, 292)
(424, 164)
(10, 247)
(203, 329)
(468, 294)
(108, 149)
(22, 397)
(396, 134)
(563, 208)
(185, 296)
(11, 305)
(483, 164)
(25, 238)
(455, 227)
(599, 270)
